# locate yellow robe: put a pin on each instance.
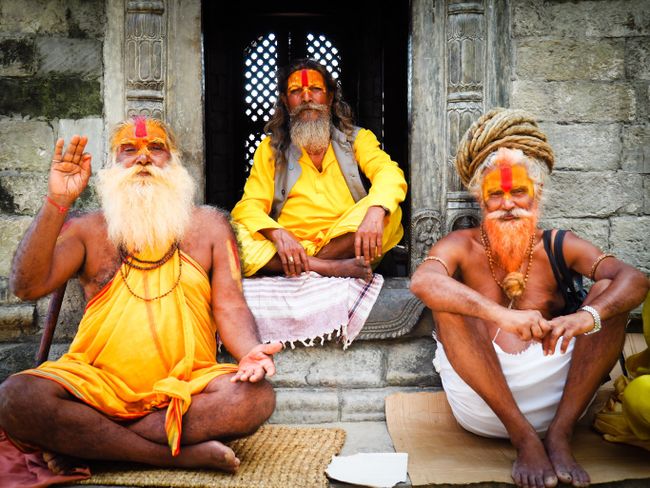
(319, 207)
(131, 357)
(626, 415)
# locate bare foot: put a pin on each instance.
(348, 268)
(532, 467)
(209, 454)
(558, 448)
(63, 465)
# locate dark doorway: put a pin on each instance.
(364, 44)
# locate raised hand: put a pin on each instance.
(291, 253)
(258, 363)
(70, 171)
(368, 238)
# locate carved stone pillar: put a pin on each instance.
(153, 65)
(460, 69)
(145, 57)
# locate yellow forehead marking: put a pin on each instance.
(305, 78)
(505, 178)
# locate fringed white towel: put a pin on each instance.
(310, 307)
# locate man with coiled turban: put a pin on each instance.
(515, 359)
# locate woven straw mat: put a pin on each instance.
(274, 457)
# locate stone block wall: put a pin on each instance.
(327, 384)
(51, 76)
(583, 69)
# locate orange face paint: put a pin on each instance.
(306, 79)
(141, 133)
(505, 179)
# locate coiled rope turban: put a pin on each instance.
(498, 128)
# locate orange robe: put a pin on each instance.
(131, 357)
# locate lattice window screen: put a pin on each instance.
(260, 60)
(321, 49)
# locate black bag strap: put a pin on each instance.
(566, 280)
(546, 237)
(573, 280)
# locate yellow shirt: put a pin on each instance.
(318, 199)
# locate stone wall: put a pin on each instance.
(583, 69)
(51, 75)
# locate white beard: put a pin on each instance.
(146, 212)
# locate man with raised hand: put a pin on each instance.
(140, 382)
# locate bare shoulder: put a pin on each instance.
(86, 225)
(458, 241)
(210, 222)
(208, 215)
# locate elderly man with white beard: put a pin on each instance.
(140, 382)
(304, 205)
(516, 361)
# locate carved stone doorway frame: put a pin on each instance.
(459, 63)
(153, 65)
(460, 67)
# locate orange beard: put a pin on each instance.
(509, 239)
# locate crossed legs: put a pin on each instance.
(468, 346)
(42, 413)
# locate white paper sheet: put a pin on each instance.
(379, 470)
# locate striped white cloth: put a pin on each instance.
(310, 307)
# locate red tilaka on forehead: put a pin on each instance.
(506, 177)
(140, 126)
(304, 78)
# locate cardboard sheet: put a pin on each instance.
(442, 452)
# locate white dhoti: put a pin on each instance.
(536, 382)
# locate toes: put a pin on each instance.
(550, 480)
(581, 478)
(563, 475)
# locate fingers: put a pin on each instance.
(285, 262)
(304, 259)
(379, 238)
(74, 153)
(554, 336)
(58, 150)
(357, 245)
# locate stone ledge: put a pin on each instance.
(16, 321)
(395, 312)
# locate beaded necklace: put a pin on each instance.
(488, 252)
(128, 260)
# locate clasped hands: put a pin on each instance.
(531, 325)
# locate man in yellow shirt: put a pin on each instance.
(304, 206)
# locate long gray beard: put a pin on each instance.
(313, 135)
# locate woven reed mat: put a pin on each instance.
(442, 452)
(274, 457)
